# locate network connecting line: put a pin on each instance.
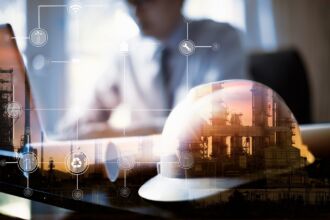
(46, 6)
(73, 7)
(100, 109)
(187, 48)
(28, 192)
(11, 162)
(125, 191)
(124, 86)
(39, 37)
(77, 181)
(21, 37)
(73, 61)
(77, 194)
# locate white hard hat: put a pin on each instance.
(223, 135)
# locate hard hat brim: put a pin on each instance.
(165, 189)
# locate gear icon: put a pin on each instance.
(13, 110)
(77, 194)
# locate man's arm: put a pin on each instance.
(93, 118)
(94, 121)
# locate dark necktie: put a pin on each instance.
(166, 76)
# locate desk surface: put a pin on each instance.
(101, 198)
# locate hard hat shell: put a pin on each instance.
(225, 134)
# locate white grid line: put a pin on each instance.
(187, 57)
(77, 130)
(99, 109)
(206, 46)
(187, 73)
(94, 6)
(62, 61)
(124, 178)
(124, 90)
(77, 182)
(46, 6)
(20, 37)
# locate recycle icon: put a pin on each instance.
(76, 163)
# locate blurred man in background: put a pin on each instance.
(152, 76)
